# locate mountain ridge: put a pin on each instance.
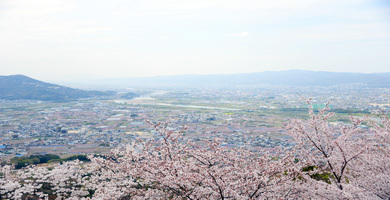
(15, 87)
(282, 78)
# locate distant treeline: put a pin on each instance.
(24, 161)
(129, 95)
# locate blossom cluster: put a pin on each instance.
(343, 162)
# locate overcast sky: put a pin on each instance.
(71, 39)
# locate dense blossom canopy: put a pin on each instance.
(327, 162)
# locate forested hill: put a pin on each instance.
(16, 87)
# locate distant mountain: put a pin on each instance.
(279, 78)
(16, 87)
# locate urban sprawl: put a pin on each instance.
(241, 117)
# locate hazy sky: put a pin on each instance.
(70, 39)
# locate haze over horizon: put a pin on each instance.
(69, 39)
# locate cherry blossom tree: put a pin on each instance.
(355, 161)
(328, 162)
(168, 168)
(171, 168)
(61, 181)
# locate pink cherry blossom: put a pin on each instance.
(345, 162)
